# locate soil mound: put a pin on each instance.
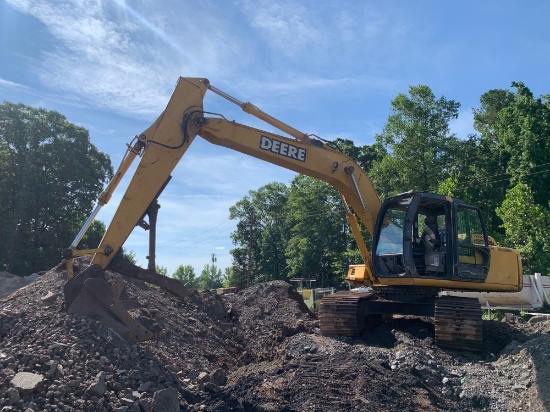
(258, 350)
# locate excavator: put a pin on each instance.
(423, 244)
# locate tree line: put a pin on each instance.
(503, 168)
(51, 175)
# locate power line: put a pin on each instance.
(506, 173)
(471, 184)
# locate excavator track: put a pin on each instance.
(458, 323)
(342, 313)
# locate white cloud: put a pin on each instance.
(288, 27)
(11, 85)
(126, 59)
(119, 59)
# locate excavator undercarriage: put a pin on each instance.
(458, 321)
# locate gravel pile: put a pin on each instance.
(257, 350)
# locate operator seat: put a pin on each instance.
(434, 254)
(430, 233)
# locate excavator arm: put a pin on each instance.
(162, 146)
(166, 141)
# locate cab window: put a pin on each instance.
(469, 236)
(391, 233)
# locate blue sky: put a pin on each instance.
(328, 68)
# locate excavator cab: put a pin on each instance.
(427, 235)
(425, 245)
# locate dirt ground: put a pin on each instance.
(257, 350)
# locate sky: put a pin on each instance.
(325, 67)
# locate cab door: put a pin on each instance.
(471, 244)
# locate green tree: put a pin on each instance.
(129, 256)
(261, 227)
(186, 275)
(161, 270)
(527, 227)
(524, 129)
(231, 278)
(418, 143)
(511, 148)
(211, 277)
(318, 231)
(474, 164)
(50, 178)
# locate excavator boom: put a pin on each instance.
(160, 148)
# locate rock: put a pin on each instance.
(144, 387)
(126, 401)
(519, 388)
(212, 387)
(26, 382)
(203, 377)
(146, 405)
(98, 387)
(219, 377)
(538, 319)
(13, 395)
(10, 283)
(31, 278)
(166, 400)
(49, 297)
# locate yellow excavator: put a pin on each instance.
(422, 243)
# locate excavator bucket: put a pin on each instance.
(89, 294)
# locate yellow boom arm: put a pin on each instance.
(166, 141)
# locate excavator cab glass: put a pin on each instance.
(472, 245)
(427, 235)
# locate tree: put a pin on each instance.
(161, 270)
(475, 165)
(523, 128)
(527, 227)
(511, 148)
(261, 234)
(231, 278)
(418, 143)
(211, 277)
(186, 275)
(318, 231)
(50, 177)
(128, 256)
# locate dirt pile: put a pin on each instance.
(258, 350)
(10, 283)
